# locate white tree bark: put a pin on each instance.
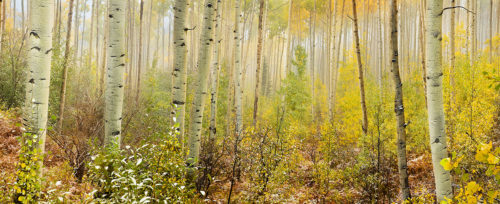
(433, 57)
(179, 73)
(238, 91)
(38, 80)
(115, 73)
(204, 55)
(215, 74)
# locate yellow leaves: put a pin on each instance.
(484, 154)
(448, 164)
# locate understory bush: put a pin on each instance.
(154, 172)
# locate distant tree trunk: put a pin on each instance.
(312, 22)
(204, 56)
(491, 31)
(97, 42)
(433, 56)
(337, 57)
(37, 90)
(139, 68)
(398, 105)
(64, 76)
(360, 70)
(103, 48)
(77, 30)
(179, 72)
(84, 6)
(422, 48)
(2, 22)
(238, 91)
(288, 49)
(259, 59)
(215, 74)
(115, 70)
(91, 38)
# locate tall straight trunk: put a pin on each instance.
(98, 3)
(360, 70)
(64, 76)
(433, 57)
(330, 60)
(289, 48)
(2, 23)
(452, 48)
(139, 63)
(238, 91)
(148, 37)
(337, 60)
(84, 6)
(204, 57)
(37, 92)
(22, 16)
(398, 105)
(77, 30)
(312, 23)
(491, 32)
(115, 74)
(422, 48)
(179, 72)
(259, 61)
(215, 74)
(474, 32)
(104, 52)
(91, 38)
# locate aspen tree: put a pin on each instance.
(238, 91)
(64, 76)
(179, 73)
(259, 60)
(398, 105)
(115, 73)
(360, 70)
(37, 92)
(433, 57)
(139, 63)
(204, 55)
(215, 73)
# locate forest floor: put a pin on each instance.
(59, 177)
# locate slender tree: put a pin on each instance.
(215, 73)
(398, 104)
(360, 70)
(433, 57)
(64, 76)
(179, 72)
(238, 91)
(139, 63)
(204, 56)
(37, 97)
(259, 59)
(115, 73)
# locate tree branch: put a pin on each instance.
(454, 7)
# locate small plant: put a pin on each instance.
(151, 173)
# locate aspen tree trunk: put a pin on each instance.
(2, 23)
(64, 76)
(259, 59)
(91, 39)
(104, 52)
(215, 74)
(84, 6)
(312, 63)
(179, 72)
(204, 57)
(97, 41)
(422, 48)
(238, 91)
(139, 63)
(360, 70)
(336, 70)
(398, 105)
(115, 74)
(77, 30)
(433, 56)
(289, 48)
(38, 80)
(452, 72)
(491, 32)
(2, 14)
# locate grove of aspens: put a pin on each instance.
(250, 101)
